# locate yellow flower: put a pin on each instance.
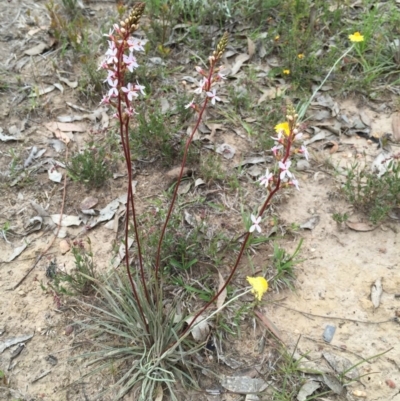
(300, 56)
(283, 127)
(260, 286)
(286, 72)
(276, 38)
(356, 37)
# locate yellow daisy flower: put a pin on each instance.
(283, 127)
(260, 286)
(300, 56)
(356, 37)
(286, 72)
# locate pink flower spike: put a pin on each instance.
(304, 151)
(190, 105)
(213, 96)
(131, 92)
(295, 183)
(140, 88)
(256, 223)
(265, 179)
(285, 169)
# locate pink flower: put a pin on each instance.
(131, 91)
(113, 92)
(279, 138)
(112, 53)
(190, 105)
(129, 111)
(295, 183)
(285, 169)
(135, 44)
(140, 88)
(213, 96)
(201, 87)
(304, 151)
(105, 100)
(256, 223)
(275, 149)
(130, 62)
(265, 179)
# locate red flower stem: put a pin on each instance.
(188, 142)
(124, 135)
(246, 238)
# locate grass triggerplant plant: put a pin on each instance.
(153, 347)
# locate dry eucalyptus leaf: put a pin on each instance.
(311, 223)
(72, 85)
(200, 329)
(42, 91)
(66, 221)
(251, 47)
(239, 61)
(221, 298)
(59, 87)
(376, 292)
(14, 341)
(184, 187)
(226, 150)
(396, 127)
(243, 384)
(38, 49)
(307, 389)
(359, 226)
(333, 383)
(65, 127)
(17, 251)
(340, 364)
(64, 246)
(55, 175)
(88, 203)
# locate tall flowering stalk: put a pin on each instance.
(287, 143)
(119, 60)
(208, 78)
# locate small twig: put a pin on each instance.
(335, 317)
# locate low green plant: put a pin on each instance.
(80, 281)
(340, 218)
(91, 166)
(284, 264)
(372, 194)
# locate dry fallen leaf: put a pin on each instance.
(66, 127)
(396, 126)
(239, 61)
(359, 226)
(200, 328)
(376, 292)
(222, 296)
(269, 325)
(251, 47)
